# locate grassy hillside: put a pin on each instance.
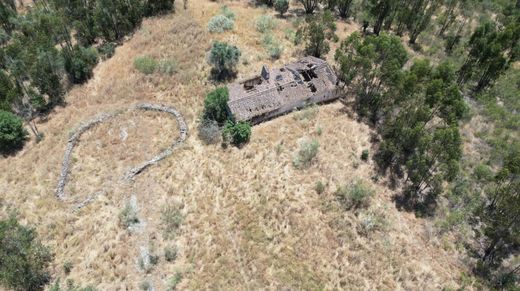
(239, 218)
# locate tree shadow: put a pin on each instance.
(217, 76)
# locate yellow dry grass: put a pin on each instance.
(251, 220)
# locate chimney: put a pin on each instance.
(265, 72)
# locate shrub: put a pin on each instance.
(265, 23)
(107, 50)
(145, 286)
(224, 58)
(483, 173)
(128, 216)
(237, 133)
(354, 196)
(145, 64)
(220, 23)
(174, 281)
(80, 62)
(168, 66)
(319, 187)
(364, 155)
(227, 12)
(272, 46)
(171, 218)
(12, 133)
(67, 267)
(170, 254)
(372, 221)
(23, 259)
(215, 105)
(209, 131)
(281, 6)
(306, 154)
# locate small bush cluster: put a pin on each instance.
(223, 22)
(167, 66)
(128, 216)
(12, 132)
(220, 23)
(272, 46)
(306, 154)
(80, 63)
(364, 155)
(171, 218)
(354, 196)
(265, 23)
(319, 187)
(145, 64)
(372, 221)
(170, 254)
(209, 131)
(174, 281)
(237, 133)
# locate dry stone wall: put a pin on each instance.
(85, 126)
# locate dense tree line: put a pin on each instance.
(56, 41)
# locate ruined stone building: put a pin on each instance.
(277, 91)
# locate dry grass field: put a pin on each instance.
(250, 220)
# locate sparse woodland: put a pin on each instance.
(410, 181)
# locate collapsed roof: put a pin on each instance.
(277, 91)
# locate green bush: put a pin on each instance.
(354, 196)
(170, 254)
(107, 50)
(272, 46)
(319, 187)
(306, 154)
(12, 133)
(23, 258)
(364, 155)
(265, 23)
(145, 64)
(483, 173)
(220, 23)
(215, 105)
(128, 216)
(80, 62)
(168, 66)
(171, 218)
(174, 281)
(67, 267)
(227, 12)
(145, 286)
(224, 58)
(237, 133)
(281, 6)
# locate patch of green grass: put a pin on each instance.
(145, 64)
(355, 195)
(306, 154)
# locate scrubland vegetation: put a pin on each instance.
(410, 182)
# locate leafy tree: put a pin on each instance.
(237, 133)
(371, 67)
(379, 11)
(215, 105)
(309, 5)
(420, 136)
(453, 8)
(8, 91)
(46, 74)
(419, 15)
(224, 58)
(281, 6)
(116, 18)
(316, 33)
(155, 7)
(491, 50)
(23, 258)
(500, 215)
(80, 62)
(344, 7)
(7, 13)
(12, 133)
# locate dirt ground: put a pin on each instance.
(250, 219)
